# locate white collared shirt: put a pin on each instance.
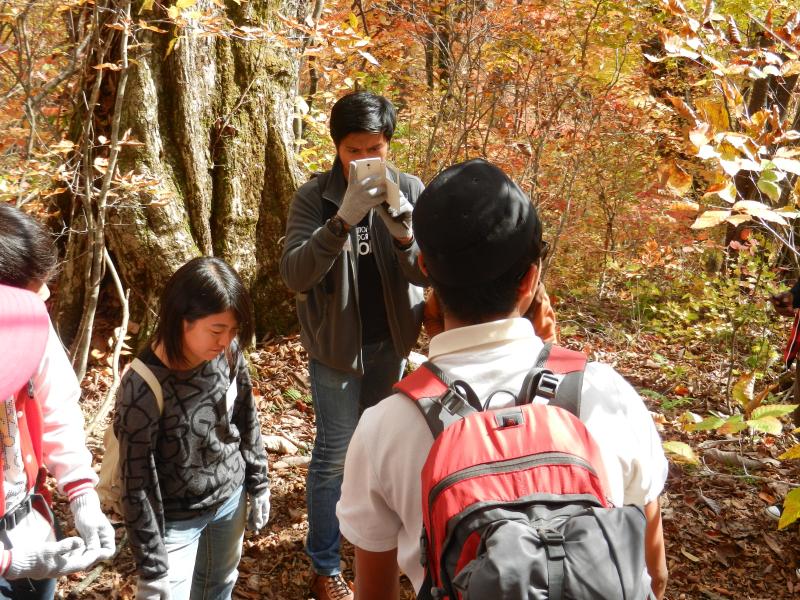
(380, 506)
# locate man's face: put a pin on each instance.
(361, 144)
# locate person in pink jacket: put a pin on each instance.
(41, 427)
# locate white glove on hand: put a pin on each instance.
(398, 222)
(93, 526)
(258, 514)
(48, 560)
(153, 589)
(360, 196)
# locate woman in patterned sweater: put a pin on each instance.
(187, 471)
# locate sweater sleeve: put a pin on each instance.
(136, 425)
(310, 248)
(245, 417)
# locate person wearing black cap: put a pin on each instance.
(481, 246)
(353, 267)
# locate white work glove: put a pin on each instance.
(48, 560)
(360, 196)
(258, 514)
(93, 526)
(398, 222)
(153, 589)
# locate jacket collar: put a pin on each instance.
(336, 184)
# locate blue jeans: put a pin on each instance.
(339, 398)
(204, 552)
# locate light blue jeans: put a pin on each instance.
(339, 398)
(204, 552)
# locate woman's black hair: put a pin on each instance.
(362, 112)
(27, 252)
(203, 286)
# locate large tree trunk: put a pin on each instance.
(213, 115)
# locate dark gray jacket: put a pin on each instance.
(321, 269)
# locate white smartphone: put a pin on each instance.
(365, 167)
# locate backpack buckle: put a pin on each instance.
(452, 402)
(548, 383)
(551, 536)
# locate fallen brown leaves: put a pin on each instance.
(720, 543)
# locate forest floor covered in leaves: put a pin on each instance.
(720, 542)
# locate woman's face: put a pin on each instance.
(205, 338)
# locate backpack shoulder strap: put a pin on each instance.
(151, 380)
(539, 381)
(435, 395)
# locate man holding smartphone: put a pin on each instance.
(352, 262)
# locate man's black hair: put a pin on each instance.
(362, 112)
(485, 302)
(28, 255)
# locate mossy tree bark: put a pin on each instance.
(212, 118)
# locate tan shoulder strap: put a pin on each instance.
(150, 379)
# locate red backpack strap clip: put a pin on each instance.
(436, 396)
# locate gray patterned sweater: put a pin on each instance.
(188, 460)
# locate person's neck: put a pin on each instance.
(186, 364)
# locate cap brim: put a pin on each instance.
(24, 328)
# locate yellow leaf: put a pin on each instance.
(791, 454)
(787, 152)
(353, 20)
(769, 425)
(743, 388)
(787, 165)
(791, 509)
(714, 113)
(684, 206)
(146, 5)
(181, 4)
(700, 135)
(679, 181)
(711, 218)
(760, 210)
(680, 451)
(171, 46)
(738, 219)
(109, 66)
(790, 67)
(173, 13)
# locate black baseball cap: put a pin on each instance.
(473, 224)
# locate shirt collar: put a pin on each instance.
(466, 338)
